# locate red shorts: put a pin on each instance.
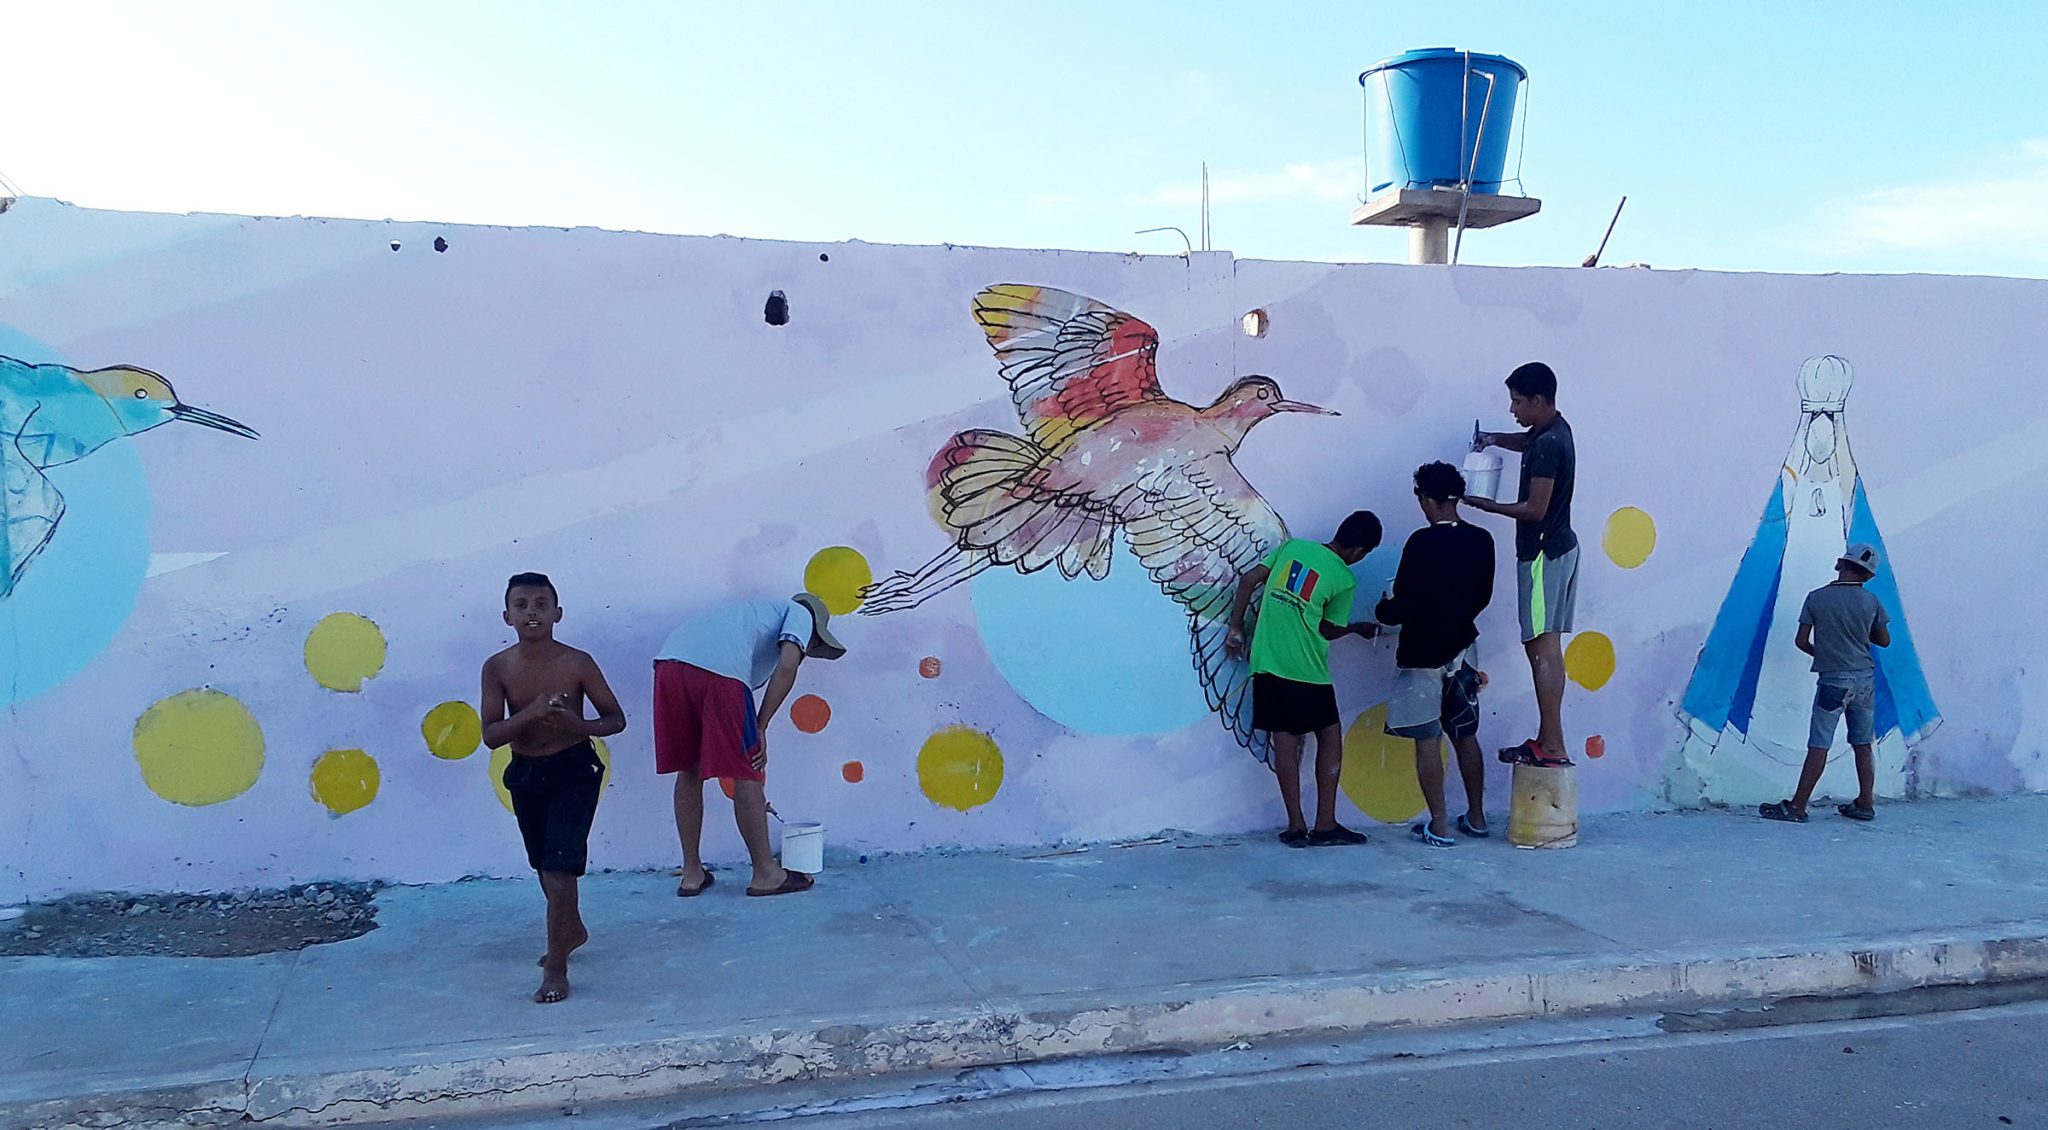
(704, 723)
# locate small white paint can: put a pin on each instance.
(803, 847)
(1482, 474)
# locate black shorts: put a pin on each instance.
(1283, 706)
(554, 799)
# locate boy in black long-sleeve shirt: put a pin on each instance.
(1444, 582)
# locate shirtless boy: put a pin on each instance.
(533, 699)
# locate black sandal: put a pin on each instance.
(1335, 836)
(1855, 812)
(1781, 810)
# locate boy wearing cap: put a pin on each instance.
(706, 724)
(1838, 624)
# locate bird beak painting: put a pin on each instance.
(212, 420)
(1311, 409)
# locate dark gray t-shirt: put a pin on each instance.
(1550, 455)
(1842, 616)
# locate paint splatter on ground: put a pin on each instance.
(240, 924)
(837, 575)
(960, 768)
(453, 731)
(1379, 770)
(344, 651)
(853, 772)
(810, 714)
(1589, 660)
(345, 780)
(930, 666)
(198, 747)
(1630, 537)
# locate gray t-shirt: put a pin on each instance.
(1550, 455)
(1842, 616)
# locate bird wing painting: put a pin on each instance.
(1106, 450)
(51, 415)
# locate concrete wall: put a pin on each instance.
(230, 660)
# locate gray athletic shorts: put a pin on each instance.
(1430, 702)
(1547, 591)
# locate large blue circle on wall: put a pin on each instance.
(1100, 657)
(73, 597)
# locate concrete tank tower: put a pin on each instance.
(1438, 123)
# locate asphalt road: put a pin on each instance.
(1976, 1068)
(1955, 1070)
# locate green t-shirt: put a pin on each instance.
(1309, 586)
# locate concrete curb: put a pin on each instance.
(1183, 1017)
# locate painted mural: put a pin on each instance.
(1107, 451)
(232, 664)
(1747, 703)
(51, 415)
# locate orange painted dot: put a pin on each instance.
(853, 771)
(1596, 746)
(810, 713)
(929, 666)
(725, 783)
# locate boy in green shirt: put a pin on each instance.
(1306, 603)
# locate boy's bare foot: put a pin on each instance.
(576, 941)
(554, 986)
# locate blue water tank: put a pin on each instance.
(1437, 116)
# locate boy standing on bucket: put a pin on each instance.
(1306, 603)
(533, 698)
(1444, 582)
(706, 724)
(1837, 626)
(1546, 549)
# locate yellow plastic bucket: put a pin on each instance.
(1545, 810)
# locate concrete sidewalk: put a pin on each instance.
(945, 961)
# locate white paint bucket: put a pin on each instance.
(803, 847)
(1482, 474)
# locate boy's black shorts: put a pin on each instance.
(554, 798)
(1283, 706)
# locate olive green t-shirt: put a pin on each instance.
(1309, 587)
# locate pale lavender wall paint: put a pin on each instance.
(611, 408)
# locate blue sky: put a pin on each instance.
(1803, 136)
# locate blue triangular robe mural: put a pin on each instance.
(1750, 680)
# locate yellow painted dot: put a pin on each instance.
(344, 651)
(837, 575)
(1589, 660)
(1630, 537)
(198, 747)
(960, 768)
(1379, 770)
(502, 756)
(344, 780)
(453, 730)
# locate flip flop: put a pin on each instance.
(1523, 752)
(792, 883)
(1854, 813)
(1336, 836)
(1466, 827)
(1422, 832)
(687, 893)
(1781, 810)
(1295, 837)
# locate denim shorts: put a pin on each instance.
(1837, 695)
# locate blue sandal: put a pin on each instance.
(1422, 832)
(1466, 827)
